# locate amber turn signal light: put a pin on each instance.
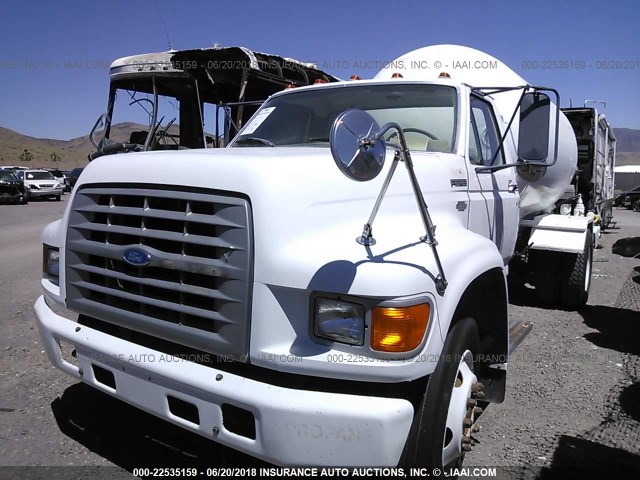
(398, 329)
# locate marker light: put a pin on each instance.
(398, 329)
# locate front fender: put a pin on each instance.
(465, 256)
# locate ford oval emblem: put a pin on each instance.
(136, 257)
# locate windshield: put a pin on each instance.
(179, 109)
(7, 177)
(132, 119)
(427, 114)
(39, 176)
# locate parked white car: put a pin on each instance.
(60, 177)
(40, 183)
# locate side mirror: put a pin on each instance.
(535, 125)
(355, 147)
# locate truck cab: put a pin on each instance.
(244, 304)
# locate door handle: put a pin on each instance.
(512, 188)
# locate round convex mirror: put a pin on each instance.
(358, 160)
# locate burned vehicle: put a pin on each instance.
(191, 98)
(12, 189)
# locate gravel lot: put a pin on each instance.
(573, 395)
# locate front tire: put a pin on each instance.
(440, 432)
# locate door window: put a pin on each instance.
(483, 135)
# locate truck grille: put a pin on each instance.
(195, 289)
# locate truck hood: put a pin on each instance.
(306, 213)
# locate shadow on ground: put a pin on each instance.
(582, 459)
(612, 448)
(627, 247)
(131, 438)
(618, 328)
(630, 401)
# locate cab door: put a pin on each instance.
(493, 196)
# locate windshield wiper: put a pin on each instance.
(263, 141)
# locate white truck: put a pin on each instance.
(230, 291)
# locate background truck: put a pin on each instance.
(595, 178)
(236, 297)
(560, 276)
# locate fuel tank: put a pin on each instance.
(472, 67)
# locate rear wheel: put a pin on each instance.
(576, 275)
(441, 430)
(58, 198)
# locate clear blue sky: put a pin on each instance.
(41, 97)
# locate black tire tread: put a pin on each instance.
(574, 268)
(421, 448)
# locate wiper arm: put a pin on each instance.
(263, 141)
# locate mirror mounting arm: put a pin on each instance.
(430, 228)
(347, 132)
(430, 237)
(367, 232)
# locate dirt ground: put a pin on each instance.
(573, 393)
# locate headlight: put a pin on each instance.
(339, 321)
(51, 263)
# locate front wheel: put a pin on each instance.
(440, 434)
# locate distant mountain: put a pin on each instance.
(627, 146)
(74, 152)
(628, 140)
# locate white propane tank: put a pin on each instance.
(472, 67)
